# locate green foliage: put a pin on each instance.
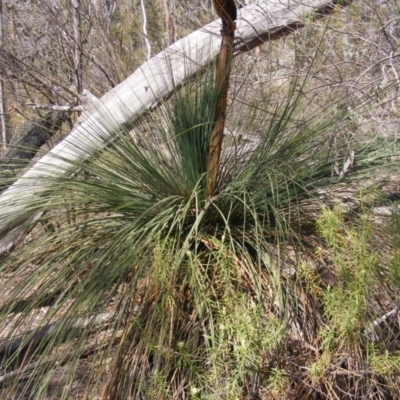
(206, 298)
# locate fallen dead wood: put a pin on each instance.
(20, 153)
(156, 79)
(371, 331)
(86, 98)
(60, 359)
(34, 136)
(21, 305)
(55, 107)
(348, 195)
(30, 340)
(17, 234)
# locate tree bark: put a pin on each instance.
(156, 79)
(228, 13)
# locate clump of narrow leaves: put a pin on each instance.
(136, 285)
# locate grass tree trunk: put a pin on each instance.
(227, 11)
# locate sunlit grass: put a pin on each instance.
(204, 297)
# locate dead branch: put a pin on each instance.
(34, 135)
(227, 11)
(257, 23)
(54, 107)
(60, 359)
(30, 340)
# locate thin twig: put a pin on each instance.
(32, 339)
(371, 331)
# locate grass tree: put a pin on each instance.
(139, 284)
(165, 293)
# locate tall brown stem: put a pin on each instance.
(226, 9)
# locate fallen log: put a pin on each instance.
(156, 79)
(33, 136)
